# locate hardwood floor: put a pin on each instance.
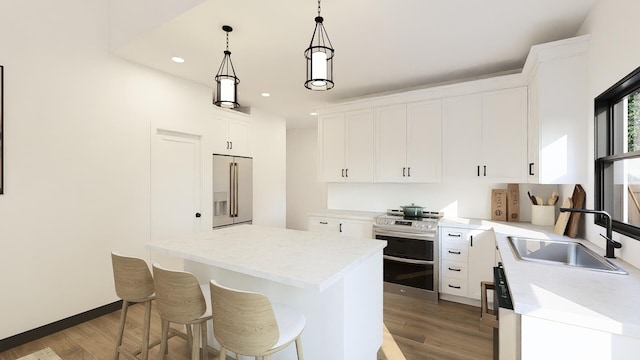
(417, 330)
(428, 331)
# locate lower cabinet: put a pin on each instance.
(342, 226)
(467, 257)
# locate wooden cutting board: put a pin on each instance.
(578, 199)
(563, 218)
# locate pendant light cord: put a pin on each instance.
(318, 7)
(227, 41)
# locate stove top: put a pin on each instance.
(395, 218)
(425, 214)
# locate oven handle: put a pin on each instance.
(407, 261)
(415, 236)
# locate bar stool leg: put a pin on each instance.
(299, 348)
(205, 355)
(163, 341)
(195, 349)
(147, 329)
(123, 318)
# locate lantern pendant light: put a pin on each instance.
(319, 56)
(226, 95)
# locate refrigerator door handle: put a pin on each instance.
(235, 190)
(230, 189)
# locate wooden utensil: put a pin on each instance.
(539, 200)
(577, 198)
(563, 218)
(553, 199)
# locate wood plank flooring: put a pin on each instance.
(417, 330)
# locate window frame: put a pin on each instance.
(604, 104)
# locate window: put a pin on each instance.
(617, 154)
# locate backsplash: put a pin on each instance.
(454, 199)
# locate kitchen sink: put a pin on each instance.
(563, 253)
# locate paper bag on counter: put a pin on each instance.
(499, 204)
(513, 202)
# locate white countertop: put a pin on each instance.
(580, 297)
(347, 214)
(303, 259)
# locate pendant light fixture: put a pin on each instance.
(226, 95)
(319, 56)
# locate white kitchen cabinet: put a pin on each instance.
(467, 257)
(557, 112)
(231, 137)
(485, 136)
(346, 146)
(408, 142)
(342, 226)
(482, 251)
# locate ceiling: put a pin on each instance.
(381, 46)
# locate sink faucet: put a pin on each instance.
(611, 244)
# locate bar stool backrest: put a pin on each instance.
(132, 278)
(179, 297)
(243, 321)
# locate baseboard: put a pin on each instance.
(42, 331)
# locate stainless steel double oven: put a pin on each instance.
(411, 255)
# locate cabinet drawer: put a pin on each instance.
(455, 250)
(451, 234)
(323, 224)
(454, 269)
(454, 286)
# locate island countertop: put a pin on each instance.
(302, 259)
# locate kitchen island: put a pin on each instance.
(335, 281)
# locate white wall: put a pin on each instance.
(613, 53)
(77, 147)
(304, 192)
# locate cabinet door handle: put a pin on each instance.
(409, 172)
(454, 235)
(454, 269)
(471, 238)
(230, 145)
(227, 145)
(455, 252)
(346, 172)
(478, 170)
(324, 222)
(531, 169)
(342, 172)
(403, 171)
(454, 287)
(340, 227)
(485, 170)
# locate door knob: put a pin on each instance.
(198, 214)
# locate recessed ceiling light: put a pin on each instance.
(177, 59)
(313, 113)
(266, 94)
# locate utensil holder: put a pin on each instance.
(543, 215)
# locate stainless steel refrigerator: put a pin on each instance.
(232, 190)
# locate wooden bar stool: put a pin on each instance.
(180, 299)
(247, 323)
(134, 284)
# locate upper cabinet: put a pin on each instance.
(346, 146)
(558, 111)
(231, 137)
(484, 136)
(408, 142)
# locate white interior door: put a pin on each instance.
(175, 184)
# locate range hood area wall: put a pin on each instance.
(454, 199)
